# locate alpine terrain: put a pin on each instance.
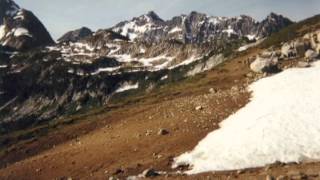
(132, 101)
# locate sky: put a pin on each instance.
(60, 16)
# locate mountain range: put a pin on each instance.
(84, 69)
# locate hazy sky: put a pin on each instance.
(60, 16)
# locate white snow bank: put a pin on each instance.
(2, 31)
(281, 123)
(126, 87)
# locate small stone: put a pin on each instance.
(118, 171)
(150, 173)
(296, 175)
(281, 177)
(163, 132)
(212, 91)
(199, 108)
(302, 64)
(269, 177)
(250, 75)
(149, 132)
(267, 168)
(235, 88)
(293, 173)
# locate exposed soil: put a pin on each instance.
(126, 140)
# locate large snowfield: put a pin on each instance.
(280, 123)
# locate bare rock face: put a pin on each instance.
(76, 35)
(273, 23)
(20, 29)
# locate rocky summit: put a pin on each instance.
(85, 68)
(20, 29)
(76, 35)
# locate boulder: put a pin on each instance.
(301, 47)
(150, 173)
(302, 64)
(198, 108)
(311, 55)
(163, 132)
(288, 50)
(262, 65)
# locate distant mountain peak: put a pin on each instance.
(20, 29)
(153, 15)
(76, 35)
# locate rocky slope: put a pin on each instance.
(85, 69)
(20, 29)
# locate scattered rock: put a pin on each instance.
(150, 173)
(38, 170)
(311, 55)
(281, 177)
(235, 88)
(288, 50)
(149, 132)
(250, 75)
(261, 65)
(302, 64)
(241, 171)
(118, 171)
(295, 175)
(212, 90)
(199, 108)
(163, 132)
(267, 168)
(269, 177)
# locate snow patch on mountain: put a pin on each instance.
(108, 69)
(2, 31)
(186, 61)
(266, 130)
(127, 86)
(174, 30)
(19, 15)
(21, 32)
(229, 31)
